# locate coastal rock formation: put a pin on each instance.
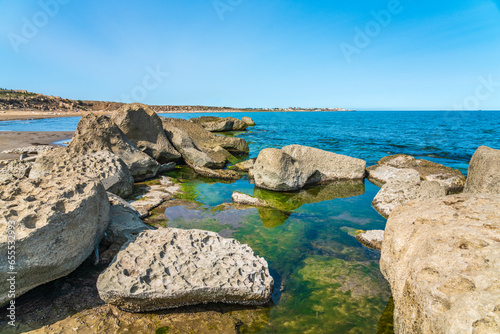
(58, 222)
(388, 167)
(404, 187)
(193, 154)
(36, 149)
(105, 166)
(372, 239)
(124, 222)
(154, 196)
(223, 174)
(295, 166)
(248, 121)
(442, 260)
(98, 133)
(204, 139)
(244, 166)
(144, 128)
(15, 169)
(219, 124)
(484, 172)
(169, 267)
(244, 199)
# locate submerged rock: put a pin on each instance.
(405, 187)
(57, 221)
(295, 166)
(219, 124)
(144, 128)
(391, 166)
(484, 172)
(104, 166)
(124, 222)
(168, 268)
(248, 121)
(98, 133)
(372, 239)
(223, 174)
(240, 198)
(442, 260)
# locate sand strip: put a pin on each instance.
(14, 139)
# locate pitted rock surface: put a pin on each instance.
(168, 268)
(58, 222)
(15, 169)
(103, 165)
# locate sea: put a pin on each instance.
(325, 281)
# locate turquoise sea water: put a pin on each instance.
(325, 281)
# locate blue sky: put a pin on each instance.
(242, 53)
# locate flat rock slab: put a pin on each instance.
(155, 196)
(36, 149)
(442, 260)
(371, 239)
(169, 268)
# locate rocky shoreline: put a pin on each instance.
(75, 204)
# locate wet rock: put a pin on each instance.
(204, 139)
(154, 196)
(442, 260)
(98, 133)
(484, 172)
(244, 166)
(219, 124)
(165, 168)
(57, 221)
(372, 239)
(391, 166)
(223, 174)
(168, 268)
(240, 198)
(404, 187)
(144, 128)
(248, 121)
(124, 222)
(104, 166)
(295, 166)
(36, 149)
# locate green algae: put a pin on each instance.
(162, 330)
(386, 322)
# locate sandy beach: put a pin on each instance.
(13, 139)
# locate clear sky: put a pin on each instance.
(254, 53)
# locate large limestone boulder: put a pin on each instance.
(205, 139)
(403, 188)
(484, 172)
(219, 124)
(295, 166)
(124, 222)
(388, 167)
(442, 260)
(57, 221)
(98, 133)
(168, 268)
(144, 128)
(104, 166)
(248, 121)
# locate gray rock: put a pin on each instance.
(248, 121)
(244, 166)
(105, 166)
(154, 196)
(223, 174)
(484, 172)
(295, 166)
(371, 239)
(388, 167)
(144, 128)
(442, 260)
(124, 222)
(58, 222)
(168, 268)
(98, 133)
(219, 124)
(404, 187)
(244, 199)
(165, 168)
